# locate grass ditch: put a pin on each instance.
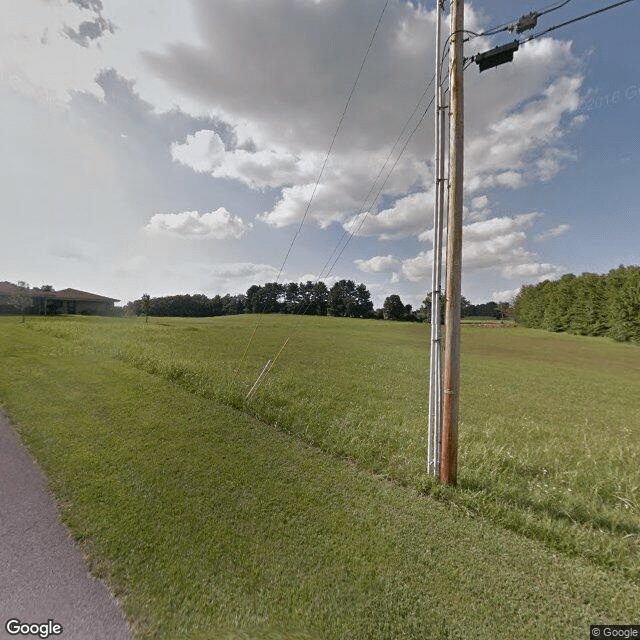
(209, 524)
(550, 429)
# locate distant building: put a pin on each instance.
(37, 302)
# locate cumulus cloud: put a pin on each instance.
(506, 295)
(553, 233)
(378, 264)
(205, 152)
(202, 151)
(524, 145)
(91, 5)
(497, 243)
(38, 56)
(406, 217)
(218, 224)
(89, 30)
(299, 61)
(533, 271)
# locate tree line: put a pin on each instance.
(590, 304)
(344, 299)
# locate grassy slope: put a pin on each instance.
(203, 518)
(550, 429)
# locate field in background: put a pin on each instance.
(549, 443)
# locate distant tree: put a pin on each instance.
(624, 305)
(232, 305)
(340, 298)
(345, 299)
(319, 297)
(393, 308)
(21, 300)
(293, 298)
(424, 312)
(465, 307)
(216, 305)
(146, 306)
(558, 305)
(253, 299)
(363, 306)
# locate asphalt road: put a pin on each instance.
(42, 574)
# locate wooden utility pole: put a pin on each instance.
(449, 451)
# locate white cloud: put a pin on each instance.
(525, 143)
(378, 264)
(298, 61)
(218, 224)
(278, 74)
(497, 244)
(497, 227)
(37, 57)
(533, 271)
(553, 233)
(204, 152)
(234, 270)
(507, 295)
(406, 217)
(480, 202)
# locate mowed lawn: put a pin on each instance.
(305, 512)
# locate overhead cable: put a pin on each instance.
(317, 183)
(586, 15)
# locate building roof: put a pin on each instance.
(10, 289)
(74, 294)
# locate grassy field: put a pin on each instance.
(305, 512)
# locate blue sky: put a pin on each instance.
(172, 147)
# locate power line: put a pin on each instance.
(555, 7)
(586, 15)
(366, 215)
(317, 183)
(502, 54)
(355, 228)
(363, 207)
(512, 25)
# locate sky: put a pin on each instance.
(172, 147)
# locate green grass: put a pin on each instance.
(213, 517)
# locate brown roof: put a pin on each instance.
(74, 294)
(9, 289)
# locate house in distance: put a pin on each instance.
(21, 299)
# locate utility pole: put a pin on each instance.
(449, 452)
(435, 368)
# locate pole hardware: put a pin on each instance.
(497, 56)
(525, 23)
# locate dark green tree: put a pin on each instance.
(146, 305)
(624, 304)
(393, 308)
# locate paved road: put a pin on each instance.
(42, 573)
